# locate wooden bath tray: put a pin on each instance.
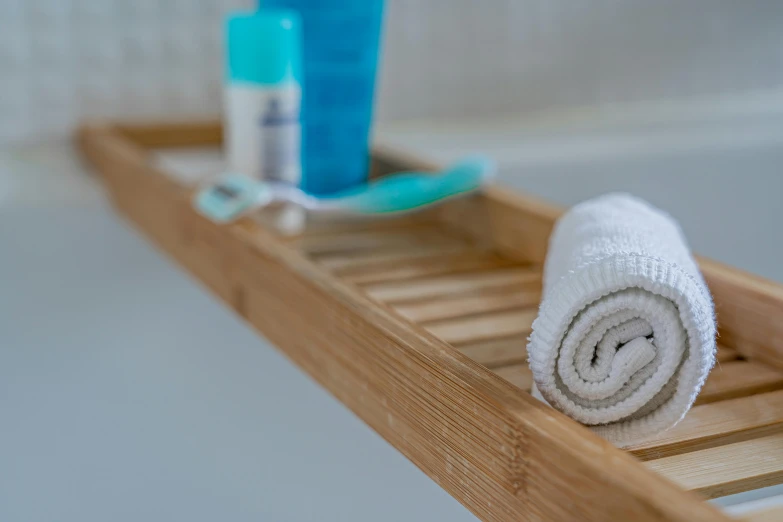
(418, 325)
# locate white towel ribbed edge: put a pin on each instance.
(625, 335)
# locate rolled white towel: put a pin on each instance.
(625, 335)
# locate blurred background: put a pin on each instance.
(65, 60)
(117, 406)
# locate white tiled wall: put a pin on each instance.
(63, 60)
(491, 56)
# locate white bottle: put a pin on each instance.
(263, 134)
(263, 100)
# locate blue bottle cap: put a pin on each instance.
(264, 47)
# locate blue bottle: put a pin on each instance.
(340, 51)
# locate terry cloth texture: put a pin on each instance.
(625, 336)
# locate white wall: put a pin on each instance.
(477, 57)
(64, 60)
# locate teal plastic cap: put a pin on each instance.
(264, 47)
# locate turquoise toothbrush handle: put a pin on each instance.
(408, 191)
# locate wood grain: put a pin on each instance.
(502, 454)
(375, 264)
(455, 306)
(423, 266)
(497, 352)
(519, 375)
(725, 470)
(483, 327)
(726, 354)
(749, 309)
(739, 379)
(718, 424)
(420, 289)
(325, 245)
(320, 225)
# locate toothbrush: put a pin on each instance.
(233, 195)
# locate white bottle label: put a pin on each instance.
(263, 132)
